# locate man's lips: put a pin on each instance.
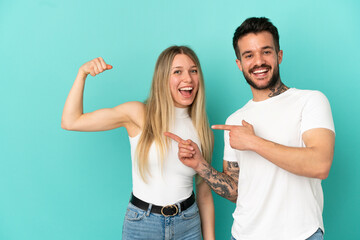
(260, 72)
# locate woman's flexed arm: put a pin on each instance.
(73, 117)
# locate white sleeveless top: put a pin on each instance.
(175, 182)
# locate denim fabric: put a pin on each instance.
(140, 225)
(318, 235)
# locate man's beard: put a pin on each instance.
(274, 79)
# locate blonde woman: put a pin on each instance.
(162, 205)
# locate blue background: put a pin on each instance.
(56, 184)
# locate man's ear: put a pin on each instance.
(238, 63)
(280, 56)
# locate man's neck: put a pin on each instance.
(261, 95)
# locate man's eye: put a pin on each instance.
(248, 56)
(267, 52)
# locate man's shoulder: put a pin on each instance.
(305, 92)
(303, 95)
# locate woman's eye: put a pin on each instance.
(177, 72)
(194, 71)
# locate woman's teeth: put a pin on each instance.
(186, 89)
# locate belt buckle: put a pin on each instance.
(171, 207)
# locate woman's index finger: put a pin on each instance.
(173, 137)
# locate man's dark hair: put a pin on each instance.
(255, 25)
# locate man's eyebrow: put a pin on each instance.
(263, 48)
(246, 52)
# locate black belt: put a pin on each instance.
(167, 211)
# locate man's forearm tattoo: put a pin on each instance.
(233, 169)
(278, 89)
(222, 183)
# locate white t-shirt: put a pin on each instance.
(174, 182)
(274, 204)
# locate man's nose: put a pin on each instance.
(259, 59)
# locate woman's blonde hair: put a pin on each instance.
(159, 113)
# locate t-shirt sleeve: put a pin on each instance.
(229, 152)
(317, 113)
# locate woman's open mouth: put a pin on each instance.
(186, 91)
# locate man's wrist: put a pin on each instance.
(255, 143)
(201, 166)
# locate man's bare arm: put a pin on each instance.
(223, 183)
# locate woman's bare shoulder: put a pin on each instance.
(135, 112)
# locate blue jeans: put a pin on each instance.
(318, 235)
(140, 224)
